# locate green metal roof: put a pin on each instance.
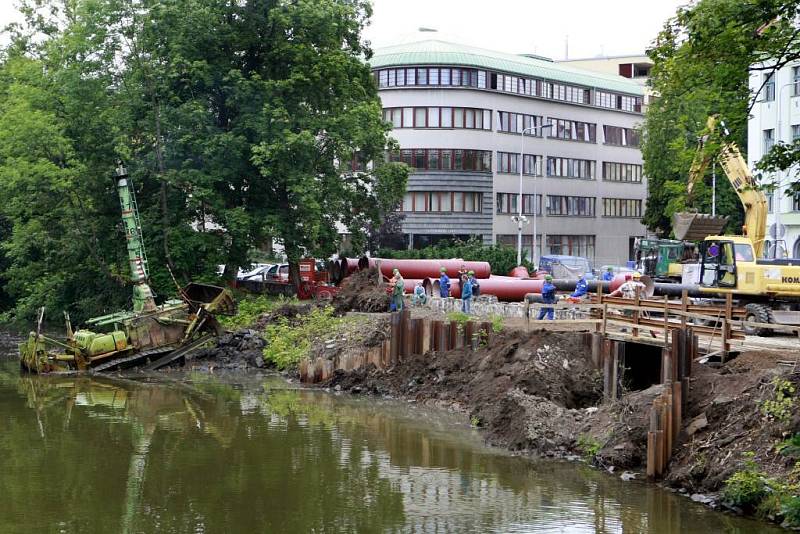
(433, 52)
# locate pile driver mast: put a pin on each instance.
(142, 294)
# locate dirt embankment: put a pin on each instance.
(528, 390)
(540, 393)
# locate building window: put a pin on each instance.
(796, 203)
(796, 80)
(622, 207)
(570, 168)
(508, 162)
(507, 203)
(510, 240)
(795, 132)
(616, 135)
(445, 159)
(573, 130)
(769, 139)
(443, 201)
(770, 197)
(769, 87)
(605, 99)
(571, 245)
(517, 122)
(622, 172)
(570, 206)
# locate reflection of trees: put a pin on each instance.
(109, 455)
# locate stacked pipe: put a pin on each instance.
(419, 269)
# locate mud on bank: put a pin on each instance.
(540, 393)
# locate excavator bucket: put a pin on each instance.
(697, 226)
(216, 300)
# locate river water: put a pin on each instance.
(201, 453)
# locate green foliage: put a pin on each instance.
(232, 133)
(703, 59)
(475, 421)
(790, 447)
(251, 307)
(502, 258)
(458, 317)
(746, 488)
(290, 340)
(497, 323)
(780, 408)
(588, 446)
(791, 512)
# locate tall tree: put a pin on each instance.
(238, 120)
(703, 59)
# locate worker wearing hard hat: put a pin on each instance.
(397, 285)
(476, 287)
(444, 283)
(466, 294)
(548, 297)
(631, 287)
(608, 275)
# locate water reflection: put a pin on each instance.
(204, 455)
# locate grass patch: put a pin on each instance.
(251, 307)
(290, 340)
(780, 408)
(588, 446)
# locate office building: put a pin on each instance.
(459, 113)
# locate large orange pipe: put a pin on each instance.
(419, 269)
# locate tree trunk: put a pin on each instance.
(163, 191)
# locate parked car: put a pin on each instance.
(277, 272)
(257, 273)
(255, 269)
(565, 267)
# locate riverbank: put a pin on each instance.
(539, 393)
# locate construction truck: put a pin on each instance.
(768, 289)
(149, 334)
(663, 259)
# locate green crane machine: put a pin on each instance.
(150, 334)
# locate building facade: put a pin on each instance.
(775, 117)
(459, 114)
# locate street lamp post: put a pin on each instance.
(521, 219)
(777, 208)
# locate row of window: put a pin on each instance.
(573, 130)
(448, 159)
(439, 117)
(445, 159)
(481, 119)
(571, 245)
(508, 162)
(443, 201)
(452, 77)
(481, 79)
(617, 135)
(571, 206)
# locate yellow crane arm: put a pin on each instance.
(752, 198)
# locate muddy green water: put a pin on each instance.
(219, 454)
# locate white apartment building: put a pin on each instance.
(459, 113)
(776, 118)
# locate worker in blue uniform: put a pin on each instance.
(444, 283)
(581, 288)
(548, 297)
(466, 295)
(608, 275)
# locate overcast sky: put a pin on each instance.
(593, 27)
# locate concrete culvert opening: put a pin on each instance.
(642, 366)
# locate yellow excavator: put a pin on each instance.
(769, 289)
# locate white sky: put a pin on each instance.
(594, 27)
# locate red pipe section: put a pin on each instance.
(418, 269)
(519, 272)
(505, 288)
